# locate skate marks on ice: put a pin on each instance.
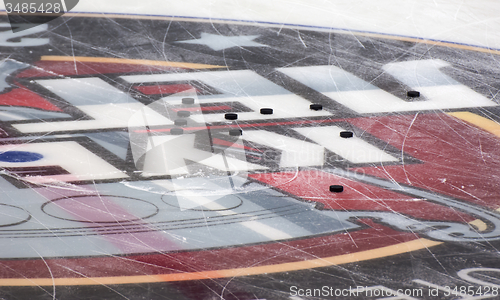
(123, 154)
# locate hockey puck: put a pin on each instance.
(316, 106)
(346, 134)
(235, 132)
(266, 111)
(336, 188)
(231, 116)
(176, 131)
(413, 94)
(180, 122)
(187, 101)
(183, 113)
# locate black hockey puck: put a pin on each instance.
(183, 113)
(266, 111)
(413, 94)
(235, 132)
(180, 122)
(176, 131)
(336, 188)
(316, 106)
(231, 116)
(346, 134)
(187, 101)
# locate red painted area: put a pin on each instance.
(68, 68)
(205, 108)
(23, 97)
(461, 160)
(163, 88)
(314, 186)
(196, 261)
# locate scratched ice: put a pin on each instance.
(187, 193)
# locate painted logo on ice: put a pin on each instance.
(228, 142)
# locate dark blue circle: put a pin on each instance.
(19, 156)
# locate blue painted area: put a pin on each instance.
(19, 156)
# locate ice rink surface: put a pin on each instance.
(252, 150)
(468, 22)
